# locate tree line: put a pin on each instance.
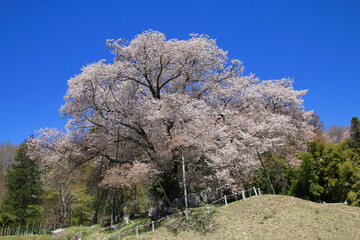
(328, 171)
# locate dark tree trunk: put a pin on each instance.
(134, 199)
(104, 211)
(171, 183)
(112, 205)
(94, 220)
(165, 195)
(267, 175)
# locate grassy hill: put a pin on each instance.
(258, 217)
(276, 217)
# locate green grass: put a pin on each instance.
(92, 232)
(28, 237)
(261, 217)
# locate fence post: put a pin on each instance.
(168, 219)
(208, 209)
(225, 200)
(119, 236)
(243, 194)
(152, 226)
(255, 191)
(137, 232)
(185, 193)
(259, 191)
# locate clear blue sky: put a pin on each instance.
(44, 43)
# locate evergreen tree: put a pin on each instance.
(355, 131)
(24, 190)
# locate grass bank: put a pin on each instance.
(28, 237)
(260, 217)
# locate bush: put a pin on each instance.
(7, 219)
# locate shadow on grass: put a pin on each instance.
(199, 221)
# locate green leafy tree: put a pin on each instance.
(280, 172)
(24, 191)
(307, 183)
(329, 172)
(350, 182)
(339, 172)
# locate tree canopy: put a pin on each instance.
(162, 97)
(24, 190)
(355, 130)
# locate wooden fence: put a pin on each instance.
(151, 225)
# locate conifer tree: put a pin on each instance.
(355, 131)
(24, 189)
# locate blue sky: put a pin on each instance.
(44, 43)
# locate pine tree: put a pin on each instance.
(355, 131)
(24, 189)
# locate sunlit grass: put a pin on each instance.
(27, 237)
(258, 217)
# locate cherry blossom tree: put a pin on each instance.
(163, 98)
(58, 154)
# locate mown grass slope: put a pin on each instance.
(258, 217)
(28, 237)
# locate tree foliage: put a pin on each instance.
(355, 131)
(280, 171)
(164, 97)
(24, 190)
(307, 183)
(329, 172)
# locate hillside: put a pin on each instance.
(263, 217)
